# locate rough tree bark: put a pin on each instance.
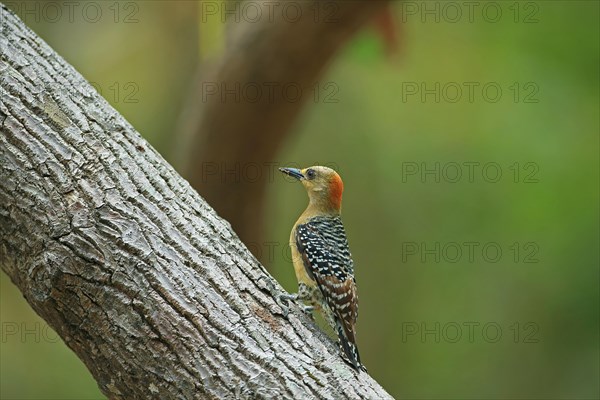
(245, 103)
(135, 272)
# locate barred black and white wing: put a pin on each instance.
(323, 246)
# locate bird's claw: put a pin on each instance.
(288, 296)
(308, 310)
(284, 304)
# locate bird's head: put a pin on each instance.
(324, 186)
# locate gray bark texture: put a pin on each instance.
(136, 273)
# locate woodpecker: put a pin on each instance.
(321, 257)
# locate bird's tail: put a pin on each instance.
(349, 348)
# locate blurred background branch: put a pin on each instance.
(246, 99)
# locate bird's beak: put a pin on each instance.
(293, 172)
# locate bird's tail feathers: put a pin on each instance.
(349, 348)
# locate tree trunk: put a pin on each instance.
(135, 272)
(246, 102)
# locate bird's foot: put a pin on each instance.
(308, 310)
(284, 300)
(288, 296)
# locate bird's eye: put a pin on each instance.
(310, 173)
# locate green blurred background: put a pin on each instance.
(542, 292)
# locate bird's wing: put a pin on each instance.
(324, 248)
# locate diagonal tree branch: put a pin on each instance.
(136, 273)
